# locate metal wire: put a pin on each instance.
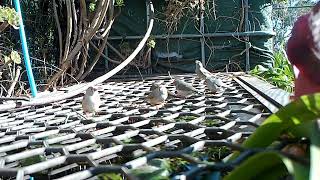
(56, 141)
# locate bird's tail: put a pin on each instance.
(169, 75)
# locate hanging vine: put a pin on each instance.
(79, 24)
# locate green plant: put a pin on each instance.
(14, 57)
(32, 160)
(212, 154)
(92, 6)
(151, 43)
(156, 169)
(185, 118)
(210, 122)
(110, 176)
(119, 3)
(10, 70)
(176, 164)
(10, 16)
(280, 75)
(297, 120)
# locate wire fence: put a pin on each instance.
(283, 18)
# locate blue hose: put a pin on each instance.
(25, 51)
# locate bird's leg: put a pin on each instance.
(86, 114)
(159, 106)
(95, 113)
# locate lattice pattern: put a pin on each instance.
(57, 141)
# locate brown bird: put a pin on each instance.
(91, 101)
(215, 84)
(158, 95)
(184, 89)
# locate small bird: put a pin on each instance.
(184, 89)
(91, 101)
(218, 81)
(201, 71)
(213, 85)
(158, 94)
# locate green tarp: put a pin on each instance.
(178, 55)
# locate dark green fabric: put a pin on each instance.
(220, 51)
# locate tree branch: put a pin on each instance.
(54, 4)
(16, 77)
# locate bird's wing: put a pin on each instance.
(185, 86)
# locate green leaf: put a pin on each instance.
(92, 6)
(261, 68)
(9, 15)
(119, 3)
(304, 109)
(315, 151)
(110, 176)
(155, 170)
(265, 165)
(151, 43)
(298, 171)
(32, 160)
(7, 59)
(15, 57)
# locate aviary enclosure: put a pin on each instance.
(124, 48)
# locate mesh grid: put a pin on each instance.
(56, 141)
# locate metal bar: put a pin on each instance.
(275, 95)
(148, 19)
(203, 56)
(246, 28)
(221, 34)
(259, 96)
(106, 61)
(26, 55)
(292, 7)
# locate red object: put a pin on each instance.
(303, 51)
(304, 86)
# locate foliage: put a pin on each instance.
(42, 44)
(15, 57)
(119, 3)
(279, 1)
(296, 121)
(110, 176)
(155, 170)
(151, 43)
(32, 160)
(280, 75)
(212, 154)
(283, 17)
(92, 6)
(176, 10)
(9, 15)
(10, 59)
(185, 118)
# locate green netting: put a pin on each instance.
(220, 17)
